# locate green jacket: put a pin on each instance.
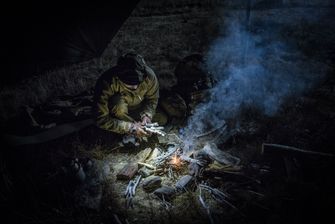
(109, 85)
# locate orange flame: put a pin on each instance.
(175, 160)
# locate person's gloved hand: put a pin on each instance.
(138, 130)
(146, 120)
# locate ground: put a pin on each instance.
(47, 195)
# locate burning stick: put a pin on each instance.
(154, 128)
(164, 156)
(175, 160)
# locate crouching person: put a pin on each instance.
(126, 97)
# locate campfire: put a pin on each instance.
(183, 167)
(175, 160)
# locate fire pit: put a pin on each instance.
(181, 168)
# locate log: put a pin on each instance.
(271, 148)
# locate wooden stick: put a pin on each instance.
(131, 168)
(211, 131)
(292, 149)
(147, 165)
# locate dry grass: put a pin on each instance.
(37, 90)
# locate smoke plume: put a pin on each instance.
(256, 69)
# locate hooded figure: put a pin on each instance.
(126, 96)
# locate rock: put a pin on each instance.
(183, 182)
(165, 191)
(151, 183)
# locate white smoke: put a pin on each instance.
(258, 70)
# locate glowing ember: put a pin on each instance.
(175, 160)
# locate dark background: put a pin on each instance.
(39, 37)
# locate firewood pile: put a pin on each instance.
(221, 184)
(208, 172)
(219, 181)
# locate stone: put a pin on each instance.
(151, 183)
(165, 192)
(183, 182)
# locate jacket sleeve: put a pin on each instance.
(104, 118)
(151, 96)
